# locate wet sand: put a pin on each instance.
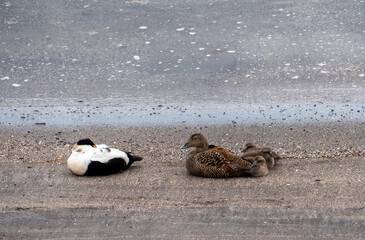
(315, 192)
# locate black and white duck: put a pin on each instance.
(88, 159)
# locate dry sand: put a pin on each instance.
(315, 192)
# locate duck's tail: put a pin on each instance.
(134, 158)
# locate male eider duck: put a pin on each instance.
(88, 159)
(251, 150)
(213, 161)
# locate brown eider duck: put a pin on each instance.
(213, 161)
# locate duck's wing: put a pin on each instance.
(231, 156)
(220, 149)
(214, 164)
(101, 146)
(104, 155)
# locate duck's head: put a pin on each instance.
(196, 140)
(249, 146)
(83, 145)
(259, 161)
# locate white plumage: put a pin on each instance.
(90, 159)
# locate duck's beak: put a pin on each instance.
(186, 145)
(74, 147)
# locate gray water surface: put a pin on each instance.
(116, 62)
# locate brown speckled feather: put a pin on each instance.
(230, 156)
(213, 164)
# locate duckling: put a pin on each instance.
(260, 168)
(213, 161)
(88, 159)
(251, 150)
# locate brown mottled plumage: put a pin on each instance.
(213, 161)
(251, 150)
(230, 156)
(260, 167)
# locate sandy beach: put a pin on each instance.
(315, 192)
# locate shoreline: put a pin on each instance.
(289, 140)
(118, 112)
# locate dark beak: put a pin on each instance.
(185, 146)
(244, 150)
